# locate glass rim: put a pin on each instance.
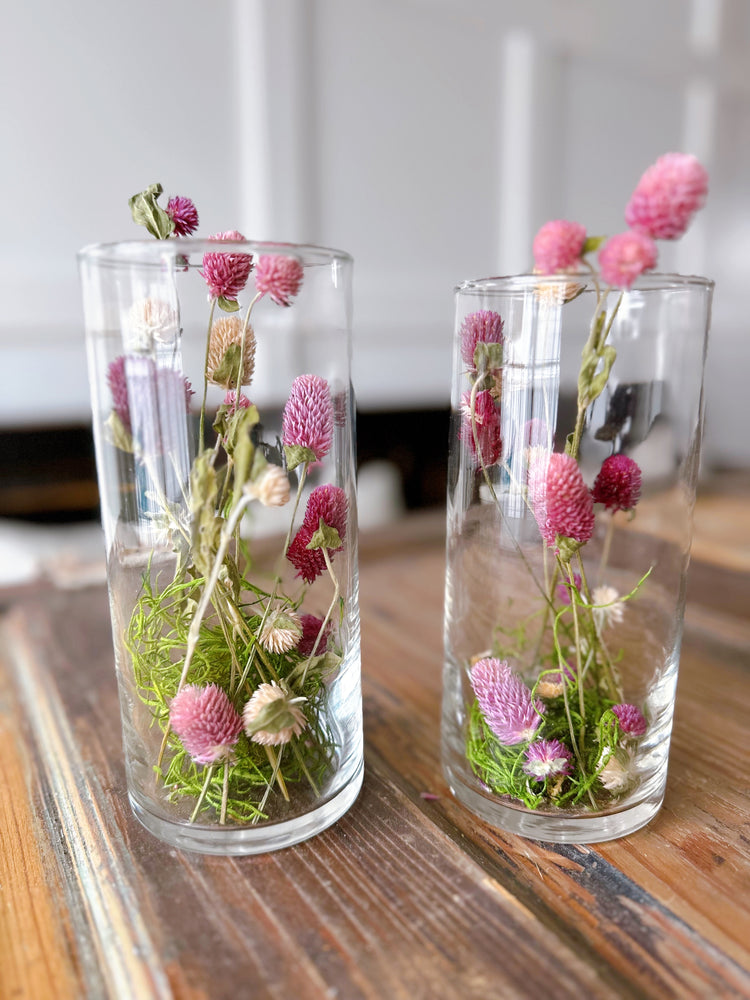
(153, 252)
(591, 281)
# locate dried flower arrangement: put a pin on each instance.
(566, 736)
(234, 674)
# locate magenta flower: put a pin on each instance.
(558, 246)
(563, 589)
(560, 499)
(618, 483)
(230, 400)
(547, 759)
(329, 505)
(228, 236)
(183, 214)
(311, 625)
(206, 722)
(625, 257)
(487, 422)
(667, 196)
(483, 327)
(308, 416)
(279, 277)
(632, 720)
(118, 386)
(505, 702)
(226, 274)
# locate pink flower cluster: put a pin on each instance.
(547, 759)
(137, 377)
(505, 702)
(558, 246)
(183, 214)
(625, 257)
(329, 505)
(560, 499)
(307, 420)
(206, 722)
(632, 720)
(618, 483)
(483, 327)
(279, 277)
(487, 423)
(667, 196)
(226, 274)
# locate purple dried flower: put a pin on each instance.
(329, 505)
(206, 722)
(487, 422)
(547, 759)
(308, 415)
(560, 499)
(311, 625)
(279, 277)
(183, 214)
(483, 327)
(631, 718)
(118, 386)
(563, 589)
(618, 483)
(505, 702)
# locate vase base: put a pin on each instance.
(557, 828)
(227, 840)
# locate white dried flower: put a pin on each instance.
(613, 611)
(271, 488)
(281, 631)
(618, 771)
(278, 715)
(149, 320)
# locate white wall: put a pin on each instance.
(429, 138)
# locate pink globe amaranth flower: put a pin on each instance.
(558, 246)
(487, 422)
(631, 718)
(183, 214)
(505, 702)
(307, 420)
(625, 257)
(311, 625)
(226, 274)
(279, 277)
(618, 483)
(560, 499)
(230, 400)
(547, 759)
(118, 386)
(284, 716)
(667, 196)
(483, 327)
(206, 722)
(563, 589)
(228, 236)
(329, 505)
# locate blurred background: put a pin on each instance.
(428, 138)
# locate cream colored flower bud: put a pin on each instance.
(273, 707)
(272, 488)
(149, 320)
(226, 333)
(281, 631)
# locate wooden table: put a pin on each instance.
(409, 896)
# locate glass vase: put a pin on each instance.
(224, 430)
(574, 451)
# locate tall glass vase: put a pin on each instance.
(224, 430)
(573, 459)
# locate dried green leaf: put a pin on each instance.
(296, 454)
(117, 434)
(325, 537)
(592, 243)
(146, 212)
(228, 305)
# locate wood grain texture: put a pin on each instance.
(405, 896)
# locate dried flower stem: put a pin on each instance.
(201, 436)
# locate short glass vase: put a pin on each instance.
(224, 430)
(573, 457)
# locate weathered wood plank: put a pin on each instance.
(386, 904)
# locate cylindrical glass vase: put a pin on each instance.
(573, 458)
(224, 430)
